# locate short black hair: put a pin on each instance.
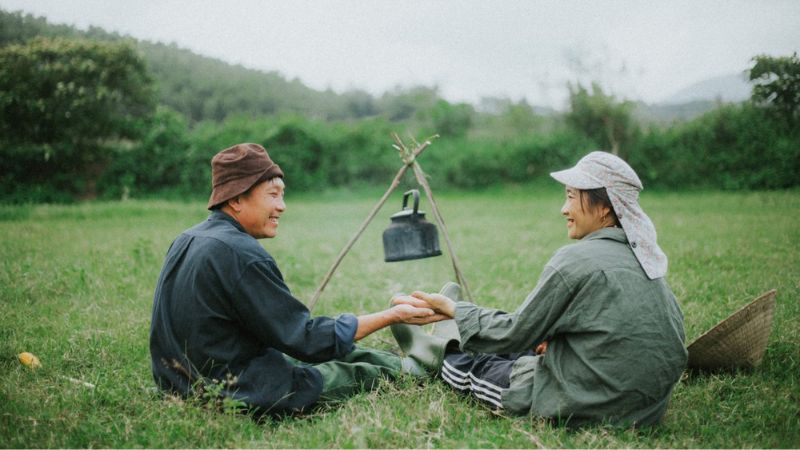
(598, 198)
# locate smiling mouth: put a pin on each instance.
(274, 219)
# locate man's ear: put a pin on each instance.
(235, 204)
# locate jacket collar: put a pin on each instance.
(219, 215)
(612, 233)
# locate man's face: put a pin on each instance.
(261, 208)
(581, 219)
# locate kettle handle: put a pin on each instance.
(416, 199)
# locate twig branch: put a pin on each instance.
(422, 180)
(438, 216)
(408, 158)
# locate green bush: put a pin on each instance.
(477, 163)
(41, 173)
(733, 147)
(155, 163)
(364, 153)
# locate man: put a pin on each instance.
(222, 312)
(599, 339)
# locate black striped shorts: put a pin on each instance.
(484, 376)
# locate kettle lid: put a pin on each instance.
(409, 212)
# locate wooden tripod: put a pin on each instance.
(409, 157)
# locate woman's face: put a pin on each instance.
(581, 218)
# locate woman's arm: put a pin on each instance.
(489, 330)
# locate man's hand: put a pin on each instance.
(437, 302)
(415, 314)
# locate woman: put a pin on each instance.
(599, 339)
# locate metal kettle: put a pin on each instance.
(409, 235)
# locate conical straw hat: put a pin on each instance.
(738, 341)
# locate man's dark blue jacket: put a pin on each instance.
(221, 308)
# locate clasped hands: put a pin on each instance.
(421, 308)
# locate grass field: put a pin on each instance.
(76, 289)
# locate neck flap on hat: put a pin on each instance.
(639, 230)
(602, 169)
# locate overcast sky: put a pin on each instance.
(645, 50)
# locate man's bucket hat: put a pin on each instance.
(236, 169)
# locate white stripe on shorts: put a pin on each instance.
(488, 399)
(461, 383)
(480, 388)
(462, 379)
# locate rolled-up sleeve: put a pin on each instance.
(345, 329)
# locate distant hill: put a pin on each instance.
(204, 88)
(668, 113)
(725, 88)
(696, 99)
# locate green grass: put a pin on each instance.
(76, 289)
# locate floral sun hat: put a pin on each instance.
(604, 170)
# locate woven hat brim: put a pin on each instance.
(738, 341)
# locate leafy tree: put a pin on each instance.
(16, 28)
(448, 120)
(301, 148)
(82, 92)
(521, 118)
(401, 104)
(359, 103)
(601, 118)
(777, 84)
(63, 103)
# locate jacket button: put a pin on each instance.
(633, 244)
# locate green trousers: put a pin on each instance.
(361, 370)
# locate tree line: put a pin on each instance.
(88, 114)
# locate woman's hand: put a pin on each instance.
(437, 302)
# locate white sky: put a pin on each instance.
(644, 50)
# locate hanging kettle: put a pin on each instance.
(409, 235)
